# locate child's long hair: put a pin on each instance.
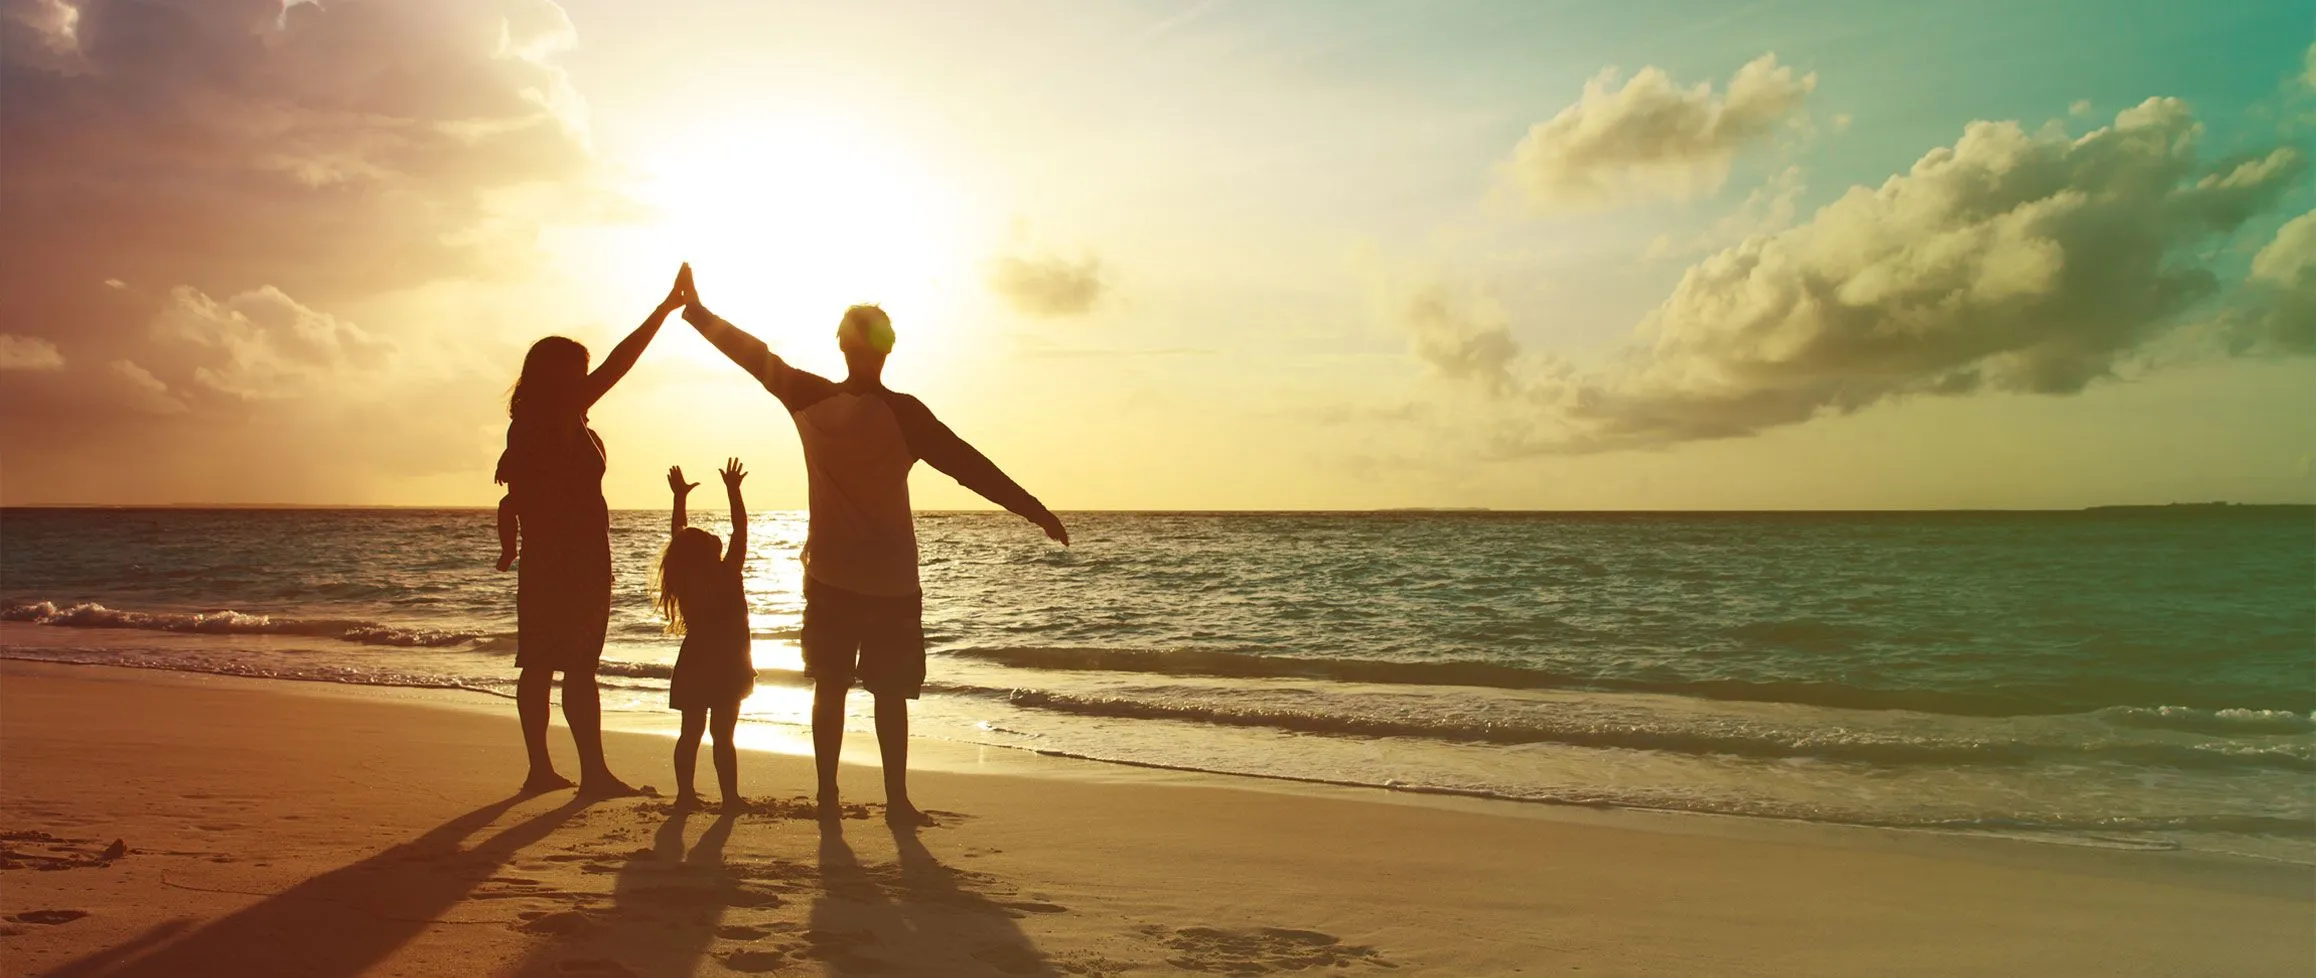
(687, 565)
(552, 372)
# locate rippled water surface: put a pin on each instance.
(2107, 678)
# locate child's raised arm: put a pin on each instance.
(732, 476)
(681, 489)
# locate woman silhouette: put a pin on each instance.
(553, 471)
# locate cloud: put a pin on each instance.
(1768, 208)
(144, 392)
(1049, 287)
(1651, 138)
(2276, 310)
(333, 151)
(28, 353)
(2308, 67)
(262, 344)
(1461, 338)
(2017, 261)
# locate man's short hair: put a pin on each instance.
(865, 327)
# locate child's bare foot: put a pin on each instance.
(541, 782)
(606, 786)
(903, 813)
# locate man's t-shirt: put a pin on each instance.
(859, 444)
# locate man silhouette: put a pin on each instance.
(863, 610)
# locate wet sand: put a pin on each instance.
(273, 828)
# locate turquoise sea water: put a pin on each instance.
(2120, 678)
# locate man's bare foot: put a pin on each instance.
(541, 782)
(903, 813)
(606, 786)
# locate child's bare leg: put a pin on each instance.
(687, 753)
(722, 721)
(532, 691)
(828, 738)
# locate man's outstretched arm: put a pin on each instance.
(747, 351)
(942, 449)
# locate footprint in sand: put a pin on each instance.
(757, 962)
(740, 932)
(1261, 950)
(48, 916)
(564, 923)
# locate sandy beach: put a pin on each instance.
(275, 828)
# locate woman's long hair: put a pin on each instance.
(685, 568)
(552, 372)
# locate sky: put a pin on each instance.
(1177, 255)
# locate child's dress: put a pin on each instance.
(714, 667)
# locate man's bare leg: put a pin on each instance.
(533, 688)
(893, 745)
(828, 740)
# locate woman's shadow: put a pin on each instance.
(919, 915)
(338, 924)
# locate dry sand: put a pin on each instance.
(313, 830)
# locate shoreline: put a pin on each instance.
(764, 735)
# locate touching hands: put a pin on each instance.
(679, 294)
(732, 474)
(676, 483)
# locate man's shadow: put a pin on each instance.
(936, 920)
(340, 923)
(665, 909)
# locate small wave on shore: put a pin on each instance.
(230, 622)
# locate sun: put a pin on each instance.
(788, 220)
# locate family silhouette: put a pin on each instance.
(863, 606)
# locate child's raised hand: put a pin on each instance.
(733, 474)
(676, 483)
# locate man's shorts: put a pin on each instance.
(875, 638)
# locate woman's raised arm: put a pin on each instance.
(622, 358)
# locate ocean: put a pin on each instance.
(2140, 679)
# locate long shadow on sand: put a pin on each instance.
(921, 916)
(666, 908)
(340, 923)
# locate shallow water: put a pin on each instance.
(2118, 678)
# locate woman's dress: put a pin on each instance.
(554, 471)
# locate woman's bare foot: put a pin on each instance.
(606, 786)
(903, 813)
(541, 782)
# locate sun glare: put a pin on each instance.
(786, 222)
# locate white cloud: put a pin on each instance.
(1769, 207)
(2012, 260)
(28, 353)
(1050, 287)
(1651, 138)
(262, 344)
(2276, 314)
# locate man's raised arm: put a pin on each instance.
(942, 449)
(747, 351)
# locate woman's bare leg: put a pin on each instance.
(583, 711)
(532, 690)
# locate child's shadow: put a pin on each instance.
(665, 910)
(919, 916)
